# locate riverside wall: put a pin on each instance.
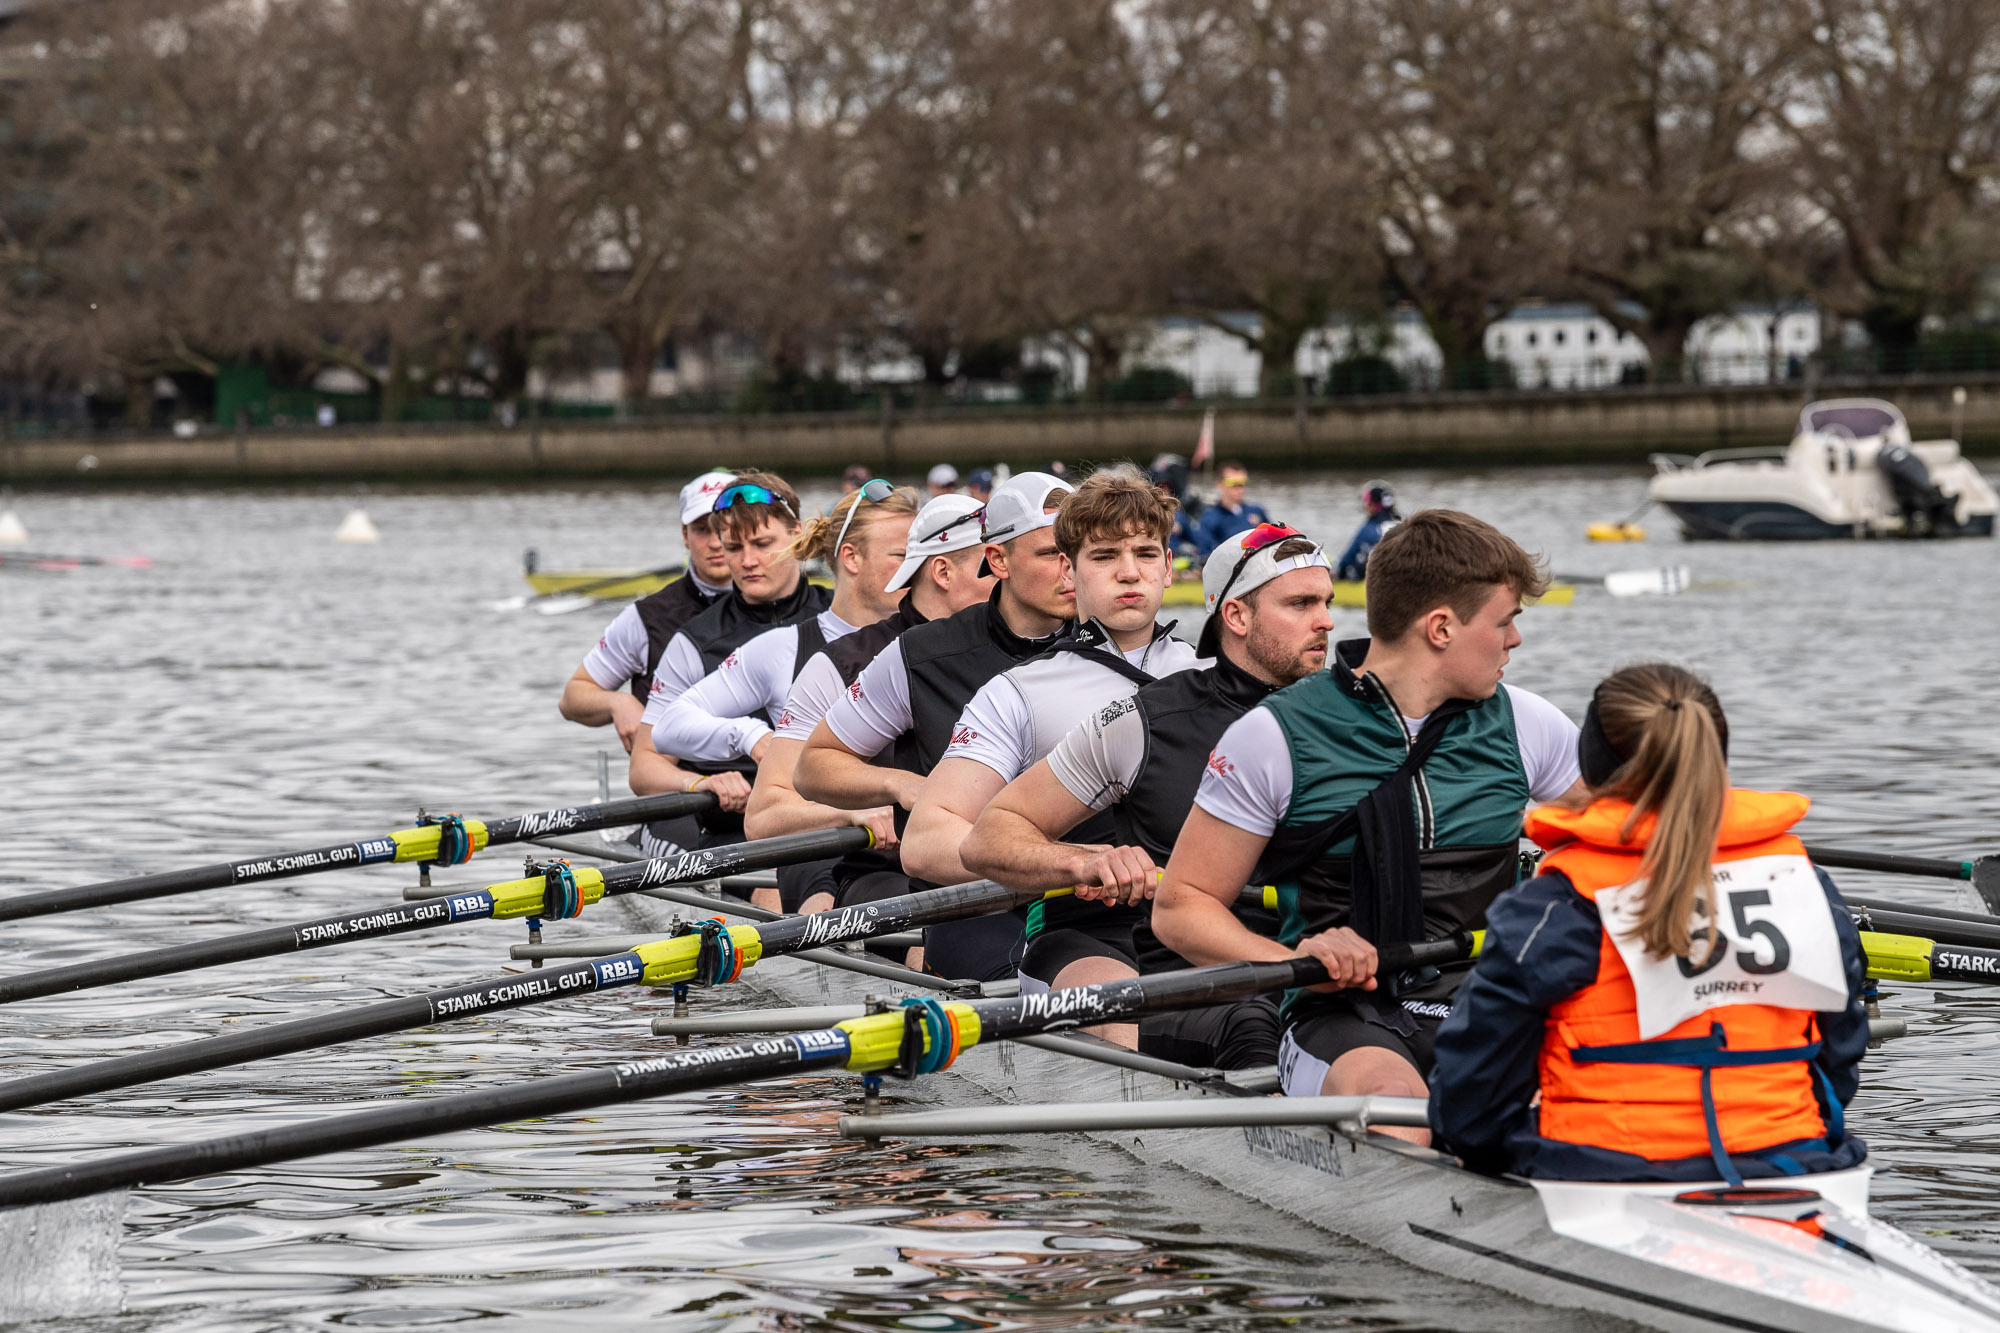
(1480, 430)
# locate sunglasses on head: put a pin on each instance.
(973, 516)
(1262, 536)
(752, 494)
(874, 491)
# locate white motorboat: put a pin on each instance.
(1795, 1253)
(1850, 471)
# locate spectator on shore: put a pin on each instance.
(979, 484)
(943, 480)
(854, 478)
(1169, 475)
(1230, 514)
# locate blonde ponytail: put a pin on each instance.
(1670, 725)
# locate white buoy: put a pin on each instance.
(357, 529)
(13, 532)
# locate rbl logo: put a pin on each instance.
(729, 661)
(784, 719)
(1218, 764)
(601, 643)
(854, 692)
(963, 736)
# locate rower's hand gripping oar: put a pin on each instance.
(449, 840)
(700, 955)
(558, 893)
(922, 1037)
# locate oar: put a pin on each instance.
(1913, 958)
(920, 1038)
(666, 961)
(411, 844)
(581, 590)
(558, 893)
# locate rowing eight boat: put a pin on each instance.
(1792, 1254)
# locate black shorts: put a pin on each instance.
(872, 887)
(1325, 1027)
(1053, 950)
(980, 948)
(1242, 1035)
(800, 882)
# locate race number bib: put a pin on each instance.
(1778, 945)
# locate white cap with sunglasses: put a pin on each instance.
(1245, 563)
(698, 496)
(947, 523)
(1021, 507)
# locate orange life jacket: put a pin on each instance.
(1731, 1078)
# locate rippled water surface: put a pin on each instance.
(261, 688)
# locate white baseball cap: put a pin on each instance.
(1231, 572)
(1021, 507)
(698, 496)
(944, 474)
(947, 523)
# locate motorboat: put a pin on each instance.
(1850, 471)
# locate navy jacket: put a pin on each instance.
(1217, 525)
(1542, 946)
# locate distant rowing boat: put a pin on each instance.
(624, 585)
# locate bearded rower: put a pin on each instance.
(1267, 593)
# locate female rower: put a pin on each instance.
(729, 714)
(1677, 995)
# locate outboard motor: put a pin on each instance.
(1926, 509)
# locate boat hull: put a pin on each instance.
(1637, 1256)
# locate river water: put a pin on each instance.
(262, 688)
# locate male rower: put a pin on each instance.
(1379, 503)
(1113, 537)
(1267, 593)
(903, 704)
(941, 571)
(611, 685)
(1389, 791)
(757, 517)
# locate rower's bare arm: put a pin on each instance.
(585, 701)
(952, 797)
(1212, 861)
(1016, 838)
(776, 808)
(651, 772)
(832, 774)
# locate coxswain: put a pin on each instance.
(612, 684)
(729, 714)
(941, 572)
(942, 480)
(1112, 534)
(1379, 503)
(904, 703)
(757, 517)
(1678, 995)
(1384, 796)
(1267, 592)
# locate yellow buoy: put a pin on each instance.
(1615, 532)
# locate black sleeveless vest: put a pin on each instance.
(852, 654)
(732, 622)
(1185, 715)
(946, 662)
(663, 613)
